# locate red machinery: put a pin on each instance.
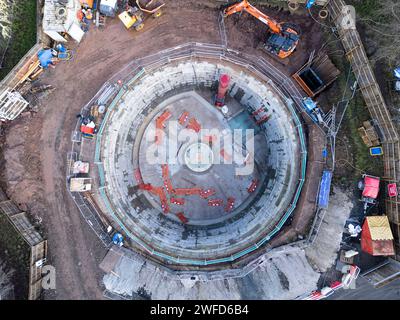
(222, 88)
(370, 189)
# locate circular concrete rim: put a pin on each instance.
(255, 246)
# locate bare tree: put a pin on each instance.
(384, 27)
(6, 287)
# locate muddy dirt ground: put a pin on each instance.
(33, 162)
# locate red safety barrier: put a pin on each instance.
(160, 192)
(230, 204)
(183, 118)
(207, 193)
(167, 181)
(194, 125)
(138, 176)
(160, 125)
(145, 186)
(259, 110)
(182, 217)
(178, 201)
(253, 186)
(186, 191)
(262, 120)
(160, 121)
(215, 202)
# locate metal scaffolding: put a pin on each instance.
(38, 246)
(376, 105)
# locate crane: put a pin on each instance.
(283, 37)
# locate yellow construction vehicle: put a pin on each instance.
(134, 16)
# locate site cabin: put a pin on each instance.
(377, 237)
(80, 184)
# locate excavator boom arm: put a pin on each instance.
(246, 6)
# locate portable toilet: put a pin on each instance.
(108, 7)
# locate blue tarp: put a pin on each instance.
(324, 189)
(45, 57)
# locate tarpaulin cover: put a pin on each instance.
(309, 4)
(324, 189)
(309, 104)
(371, 188)
(45, 57)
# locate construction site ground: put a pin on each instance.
(33, 163)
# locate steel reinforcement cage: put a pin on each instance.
(124, 79)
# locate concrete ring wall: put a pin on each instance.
(175, 242)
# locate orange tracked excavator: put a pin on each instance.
(283, 37)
